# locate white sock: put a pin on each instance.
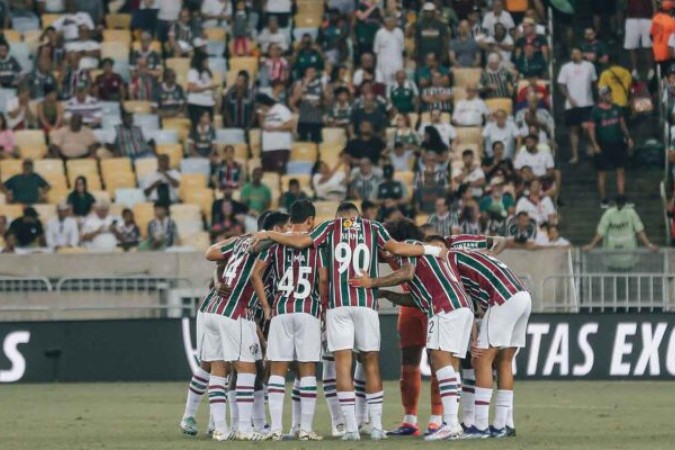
(331, 394)
(447, 384)
(196, 390)
(483, 397)
(509, 416)
(436, 420)
(503, 404)
(259, 410)
(276, 389)
(360, 391)
(234, 411)
(296, 407)
(218, 402)
(348, 406)
(375, 409)
(409, 418)
(212, 423)
(245, 387)
(468, 397)
(307, 402)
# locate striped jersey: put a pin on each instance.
(468, 241)
(487, 280)
(295, 274)
(237, 277)
(436, 285)
(350, 246)
(226, 251)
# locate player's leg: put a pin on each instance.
(468, 393)
(218, 399)
(504, 397)
(276, 392)
(367, 342)
(443, 365)
(232, 400)
(295, 404)
(307, 344)
(196, 390)
(259, 420)
(329, 391)
(360, 393)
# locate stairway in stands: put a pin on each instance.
(581, 211)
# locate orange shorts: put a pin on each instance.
(412, 327)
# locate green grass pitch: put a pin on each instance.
(549, 415)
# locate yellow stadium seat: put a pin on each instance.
(120, 180)
(240, 150)
(180, 124)
(253, 163)
(49, 19)
(145, 167)
(305, 181)
(180, 65)
(421, 219)
(11, 211)
(218, 120)
(57, 195)
(45, 211)
(12, 36)
(276, 193)
(203, 197)
(9, 168)
(458, 93)
(469, 135)
(32, 39)
(334, 135)
(190, 181)
(71, 250)
(215, 34)
(464, 76)
(121, 36)
(247, 63)
(154, 45)
(115, 51)
(406, 178)
(138, 106)
(186, 211)
(330, 153)
(271, 180)
(495, 104)
(49, 166)
(113, 166)
(175, 152)
(121, 21)
(303, 151)
(30, 140)
(101, 196)
(33, 152)
(199, 241)
(307, 20)
(56, 180)
(310, 7)
(254, 141)
(82, 165)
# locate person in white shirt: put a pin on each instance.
(576, 80)
(552, 238)
(89, 49)
(470, 174)
(388, 47)
(471, 111)
(277, 133)
(51, 6)
(98, 229)
(497, 15)
(538, 206)
(447, 131)
(502, 129)
(541, 163)
(216, 13)
(163, 182)
(62, 230)
(331, 183)
(69, 25)
(273, 35)
(167, 13)
(201, 88)
(281, 9)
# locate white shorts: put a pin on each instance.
(505, 325)
(294, 337)
(326, 354)
(252, 327)
(450, 332)
(637, 34)
(199, 333)
(353, 328)
(228, 340)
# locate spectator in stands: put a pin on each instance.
(227, 223)
(332, 38)
(369, 210)
(129, 140)
(366, 145)
(179, 44)
(496, 160)
(637, 34)
(330, 183)
(307, 55)
(431, 65)
(86, 106)
(277, 125)
(469, 174)
(541, 163)
(620, 228)
(80, 199)
(432, 35)
(73, 141)
(94, 8)
(109, 85)
(27, 187)
(364, 181)
(389, 48)
(97, 230)
(502, 130)
(88, 48)
(431, 163)
(293, 194)
(468, 211)
(532, 38)
(368, 110)
(272, 35)
(39, 78)
(255, 195)
(432, 142)
(216, 13)
(68, 24)
(275, 67)
(71, 76)
(51, 46)
(391, 189)
(162, 186)
(521, 232)
(228, 174)
(19, 113)
(340, 112)
(202, 139)
(471, 111)
(538, 206)
(238, 103)
(403, 94)
(444, 220)
(406, 136)
(241, 31)
(8, 148)
(496, 202)
(464, 50)
(531, 64)
(62, 230)
(10, 69)
(663, 25)
(200, 88)
(9, 243)
(611, 141)
(438, 95)
(153, 60)
(427, 190)
(552, 238)
(534, 114)
(620, 82)
(162, 230)
(50, 112)
(308, 102)
(128, 234)
(501, 43)
(495, 80)
(576, 80)
(594, 50)
(368, 21)
(168, 12)
(28, 229)
(170, 101)
(497, 15)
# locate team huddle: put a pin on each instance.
(299, 293)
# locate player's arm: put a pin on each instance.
(398, 298)
(215, 252)
(259, 286)
(295, 240)
(402, 275)
(498, 244)
(323, 287)
(405, 249)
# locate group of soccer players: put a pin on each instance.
(301, 292)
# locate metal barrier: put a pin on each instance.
(133, 284)
(25, 284)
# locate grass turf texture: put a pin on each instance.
(574, 415)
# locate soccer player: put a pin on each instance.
(295, 327)
(352, 322)
(508, 303)
(436, 290)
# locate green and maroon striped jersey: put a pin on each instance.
(226, 250)
(487, 280)
(351, 247)
(237, 277)
(468, 241)
(295, 275)
(435, 287)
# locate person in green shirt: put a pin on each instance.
(497, 203)
(368, 22)
(611, 140)
(403, 94)
(292, 195)
(308, 56)
(26, 188)
(423, 75)
(256, 195)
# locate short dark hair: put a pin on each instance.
(274, 219)
(346, 207)
(162, 204)
(301, 210)
(367, 204)
(434, 238)
(532, 136)
(403, 229)
(467, 152)
(265, 99)
(494, 144)
(293, 182)
(261, 219)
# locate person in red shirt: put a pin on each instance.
(110, 85)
